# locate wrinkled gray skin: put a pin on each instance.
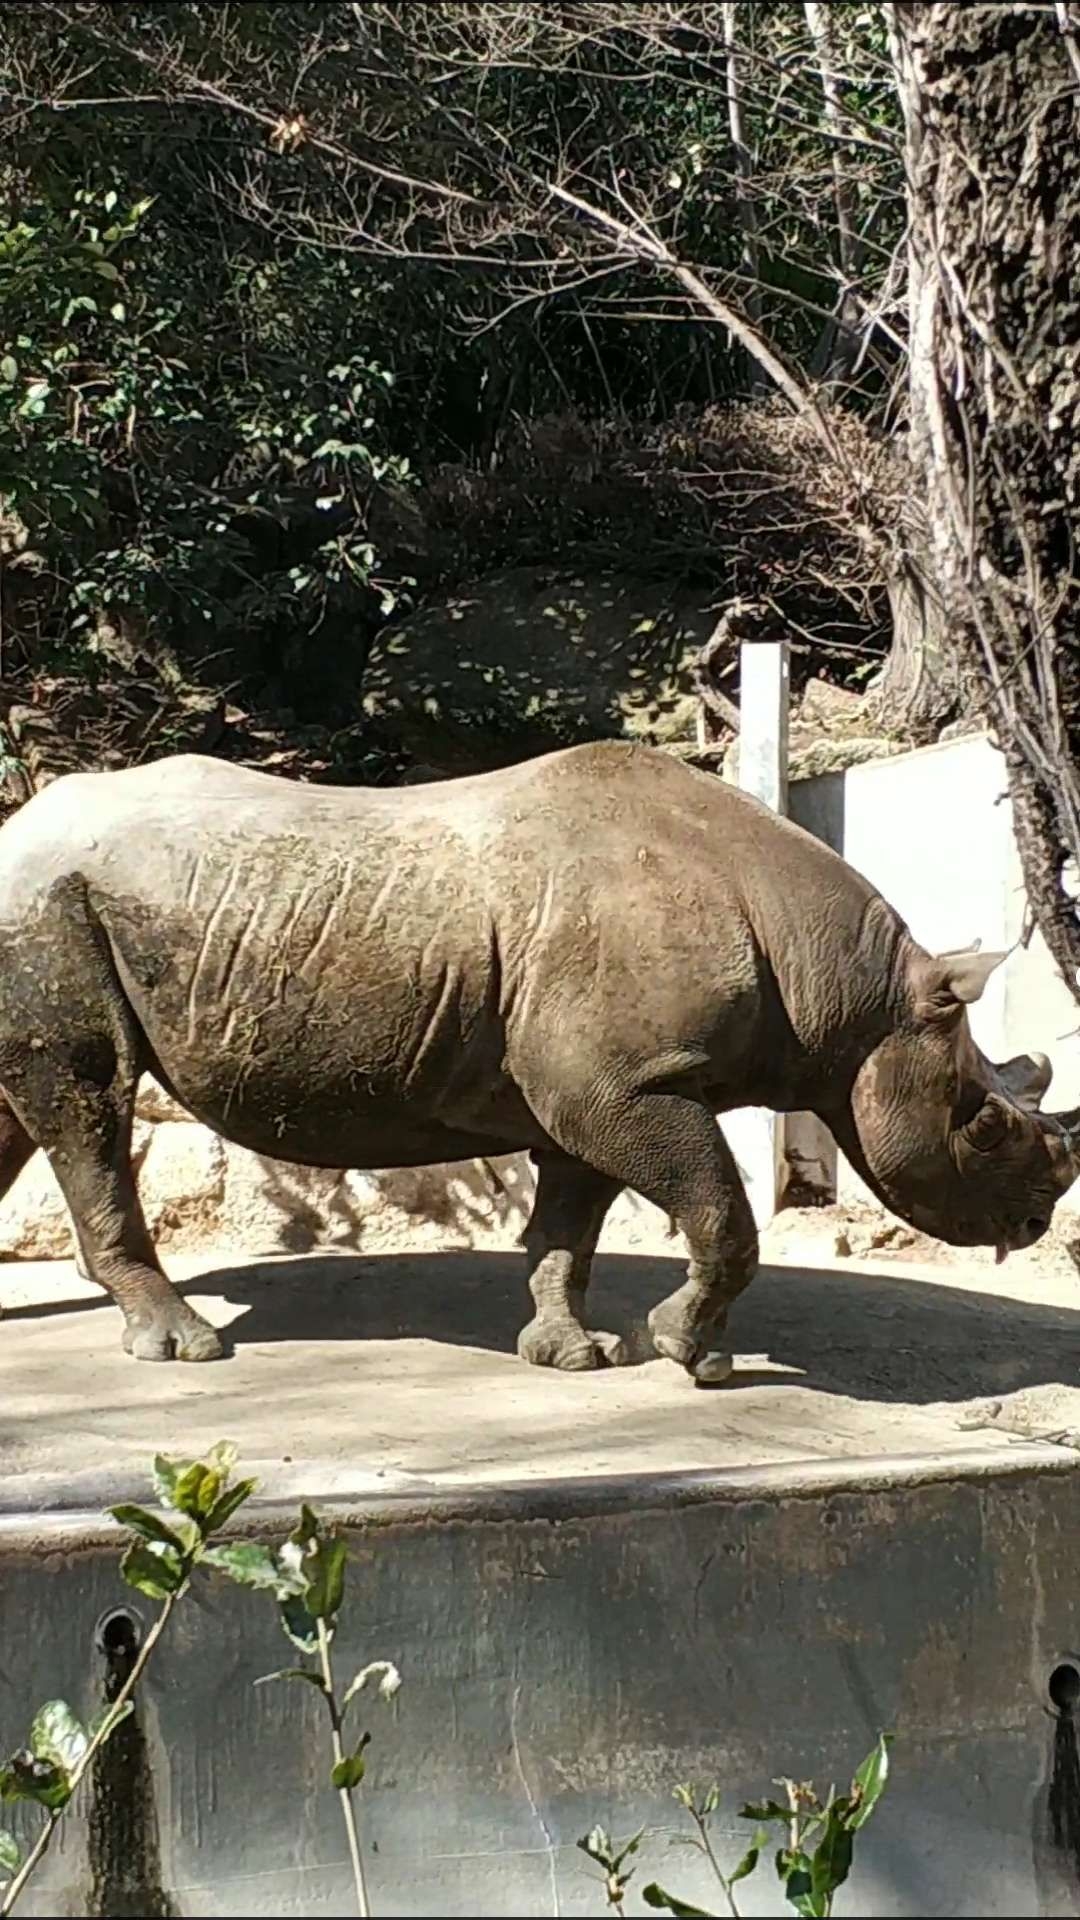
(588, 956)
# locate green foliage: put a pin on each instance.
(219, 346)
(612, 1856)
(306, 1576)
(813, 1861)
(158, 1563)
(167, 412)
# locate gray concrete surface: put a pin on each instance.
(595, 1586)
(404, 1364)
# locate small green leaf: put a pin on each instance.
(831, 1862)
(655, 1896)
(300, 1626)
(793, 1868)
(751, 1856)
(166, 1474)
(197, 1490)
(597, 1844)
(58, 1735)
(148, 1526)
(246, 1562)
(10, 1852)
(152, 1568)
(9, 370)
(349, 1772)
(293, 1673)
(110, 200)
(765, 1810)
(326, 1578)
(869, 1783)
(234, 1497)
(223, 1457)
(25, 1777)
(106, 270)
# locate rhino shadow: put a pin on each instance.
(876, 1337)
(870, 1337)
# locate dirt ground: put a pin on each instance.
(347, 1373)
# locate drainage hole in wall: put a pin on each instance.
(118, 1634)
(1064, 1687)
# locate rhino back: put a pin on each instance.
(290, 948)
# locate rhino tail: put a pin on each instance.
(16, 1146)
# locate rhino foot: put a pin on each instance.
(564, 1344)
(173, 1333)
(708, 1367)
(677, 1334)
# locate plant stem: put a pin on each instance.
(715, 1865)
(348, 1813)
(44, 1840)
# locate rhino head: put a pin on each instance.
(952, 1143)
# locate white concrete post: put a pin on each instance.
(756, 1136)
(764, 698)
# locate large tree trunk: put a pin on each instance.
(993, 131)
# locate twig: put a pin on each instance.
(348, 1813)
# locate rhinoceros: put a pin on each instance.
(589, 956)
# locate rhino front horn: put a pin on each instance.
(1063, 1130)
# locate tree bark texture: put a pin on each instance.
(992, 113)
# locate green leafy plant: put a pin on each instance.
(307, 1579)
(612, 1856)
(197, 1496)
(813, 1862)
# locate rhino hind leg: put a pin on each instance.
(666, 1145)
(70, 1061)
(560, 1240)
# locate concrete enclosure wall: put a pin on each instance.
(568, 1657)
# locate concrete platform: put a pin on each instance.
(595, 1585)
(349, 1376)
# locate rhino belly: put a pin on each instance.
(298, 1024)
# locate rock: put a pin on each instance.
(34, 1220)
(531, 659)
(153, 1103)
(833, 709)
(181, 1181)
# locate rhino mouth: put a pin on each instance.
(1027, 1236)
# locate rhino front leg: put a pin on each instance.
(667, 1146)
(718, 1225)
(560, 1240)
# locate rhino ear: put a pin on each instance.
(955, 980)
